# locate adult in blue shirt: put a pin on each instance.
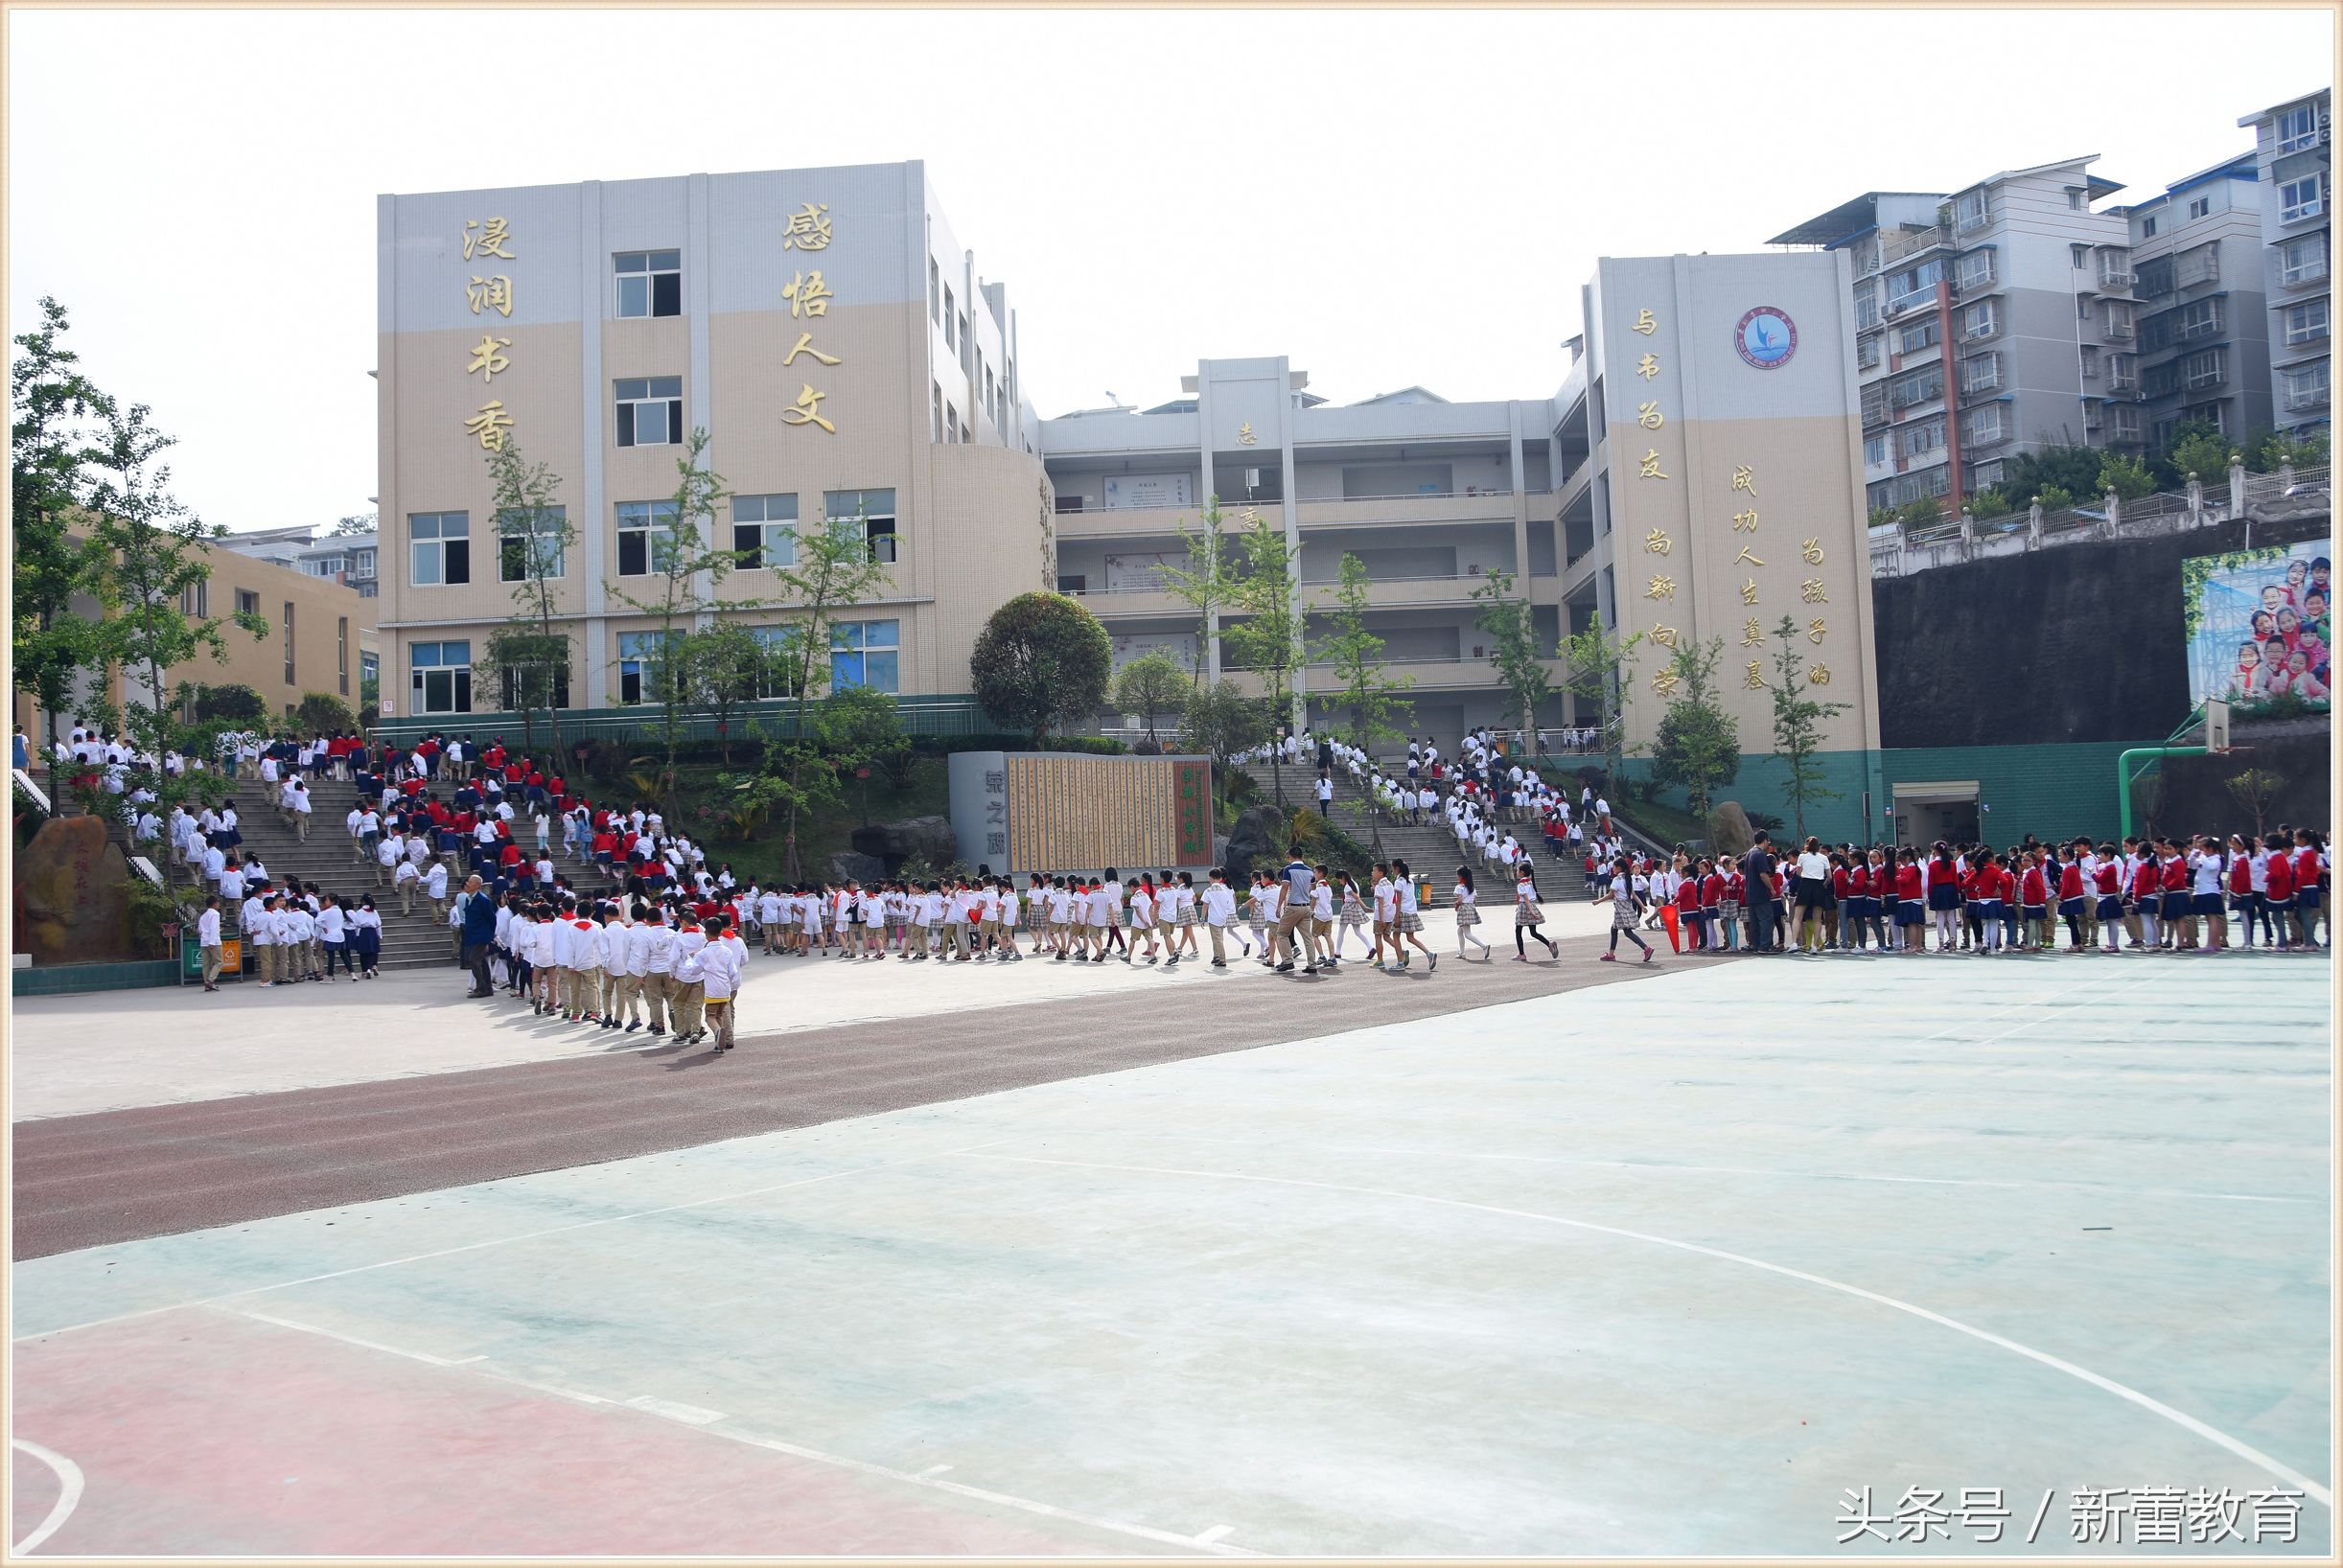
(479, 934)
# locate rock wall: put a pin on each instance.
(73, 895)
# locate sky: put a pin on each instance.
(1388, 197)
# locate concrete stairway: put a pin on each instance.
(413, 941)
(1431, 850)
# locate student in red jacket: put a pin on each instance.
(2279, 892)
(2179, 911)
(1911, 904)
(2310, 868)
(2033, 899)
(2073, 892)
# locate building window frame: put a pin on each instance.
(867, 654)
(2304, 387)
(639, 658)
(642, 526)
(2296, 127)
(765, 531)
(2292, 272)
(439, 676)
(439, 548)
(2307, 322)
(646, 283)
(544, 535)
(650, 410)
(875, 510)
(341, 653)
(2301, 199)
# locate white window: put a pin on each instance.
(440, 677)
(2077, 198)
(1982, 426)
(2300, 199)
(1913, 283)
(440, 548)
(1918, 335)
(2124, 422)
(1981, 373)
(2214, 414)
(1974, 270)
(1917, 388)
(196, 599)
(2201, 206)
(2202, 369)
(650, 411)
(2122, 372)
(2306, 323)
(2201, 318)
(1979, 320)
(646, 537)
(935, 409)
(2147, 228)
(865, 653)
(1867, 350)
(248, 602)
(765, 531)
(650, 282)
(2079, 256)
(1874, 450)
(2303, 260)
(638, 666)
(2297, 127)
(1985, 475)
(1866, 305)
(873, 509)
(949, 341)
(521, 530)
(2118, 320)
(2115, 267)
(935, 291)
(2304, 387)
(1913, 440)
(1971, 211)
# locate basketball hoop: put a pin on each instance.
(2217, 725)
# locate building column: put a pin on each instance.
(593, 524)
(1294, 540)
(1208, 656)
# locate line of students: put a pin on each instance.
(587, 961)
(298, 934)
(2161, 893)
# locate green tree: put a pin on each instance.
(322, 713)
(155, 557)
(358, 522)
(806, 770)
(54, 410)
(684, 566)
(1222, 722)
(2255, 789)
(1797, 726)
(2198, 446)
(1513, 645)
(1265, 593)
(237, 704)
(1156, 687)
(1366, 689)
(528, 657)
(1204, 584)
(1698, 744)
(1597, 667)
(2070, 468)
(1042, 660)
(2128, 476)
(726, 668)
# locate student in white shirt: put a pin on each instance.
(1220, 914)
(1011, 915)
(720, 978)
(258, 926)
(1410, 919)
(333, 937)
(207, 937)
(299, 944)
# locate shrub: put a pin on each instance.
(241, 704)
(321, 713)
(1042, 661)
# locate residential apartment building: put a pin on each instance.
(348, 559)
(1990, 321)
(824, 326)
(2203, 350)
(1433, 496)
(1697, 473)
(2294, 163)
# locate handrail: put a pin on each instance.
(39, 796)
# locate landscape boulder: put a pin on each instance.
(1253, 839)
(1729, 832)
(846, 866)
(74, 892)
(914, 838)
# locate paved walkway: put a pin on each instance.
(1664, 1267)
(72, 1055)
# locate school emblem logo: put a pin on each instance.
(1766, 338)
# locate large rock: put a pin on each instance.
(1729, 832)
(1253, 839)
(848, 867)
(73, 891)
(923, 838)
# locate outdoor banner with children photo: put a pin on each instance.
(2259, 626)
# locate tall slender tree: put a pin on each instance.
(55, 414)
(529, 656)
(1512, 625)
(1597, 667)
(1205, 584)
(1698, 744)
(1265, 593)
(1367, 691)
(1798, 718)
(683, 566)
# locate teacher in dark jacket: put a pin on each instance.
(479, 935)
(1758, 886)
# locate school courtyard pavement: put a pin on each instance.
(1788, 1257)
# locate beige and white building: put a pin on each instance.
(824, 326)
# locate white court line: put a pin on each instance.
(2243, 1450)
(498, 1241)
(69, 1494)
(702, 1421)
(1723, 1170)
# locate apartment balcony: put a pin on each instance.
(1895, 248)
(2117, 331)
(1373, 511)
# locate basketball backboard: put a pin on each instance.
(2216, 725)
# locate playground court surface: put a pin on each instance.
(1660, 1267)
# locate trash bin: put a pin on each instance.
(190, 958)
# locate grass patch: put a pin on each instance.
(700, 811)
(1667, 823)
